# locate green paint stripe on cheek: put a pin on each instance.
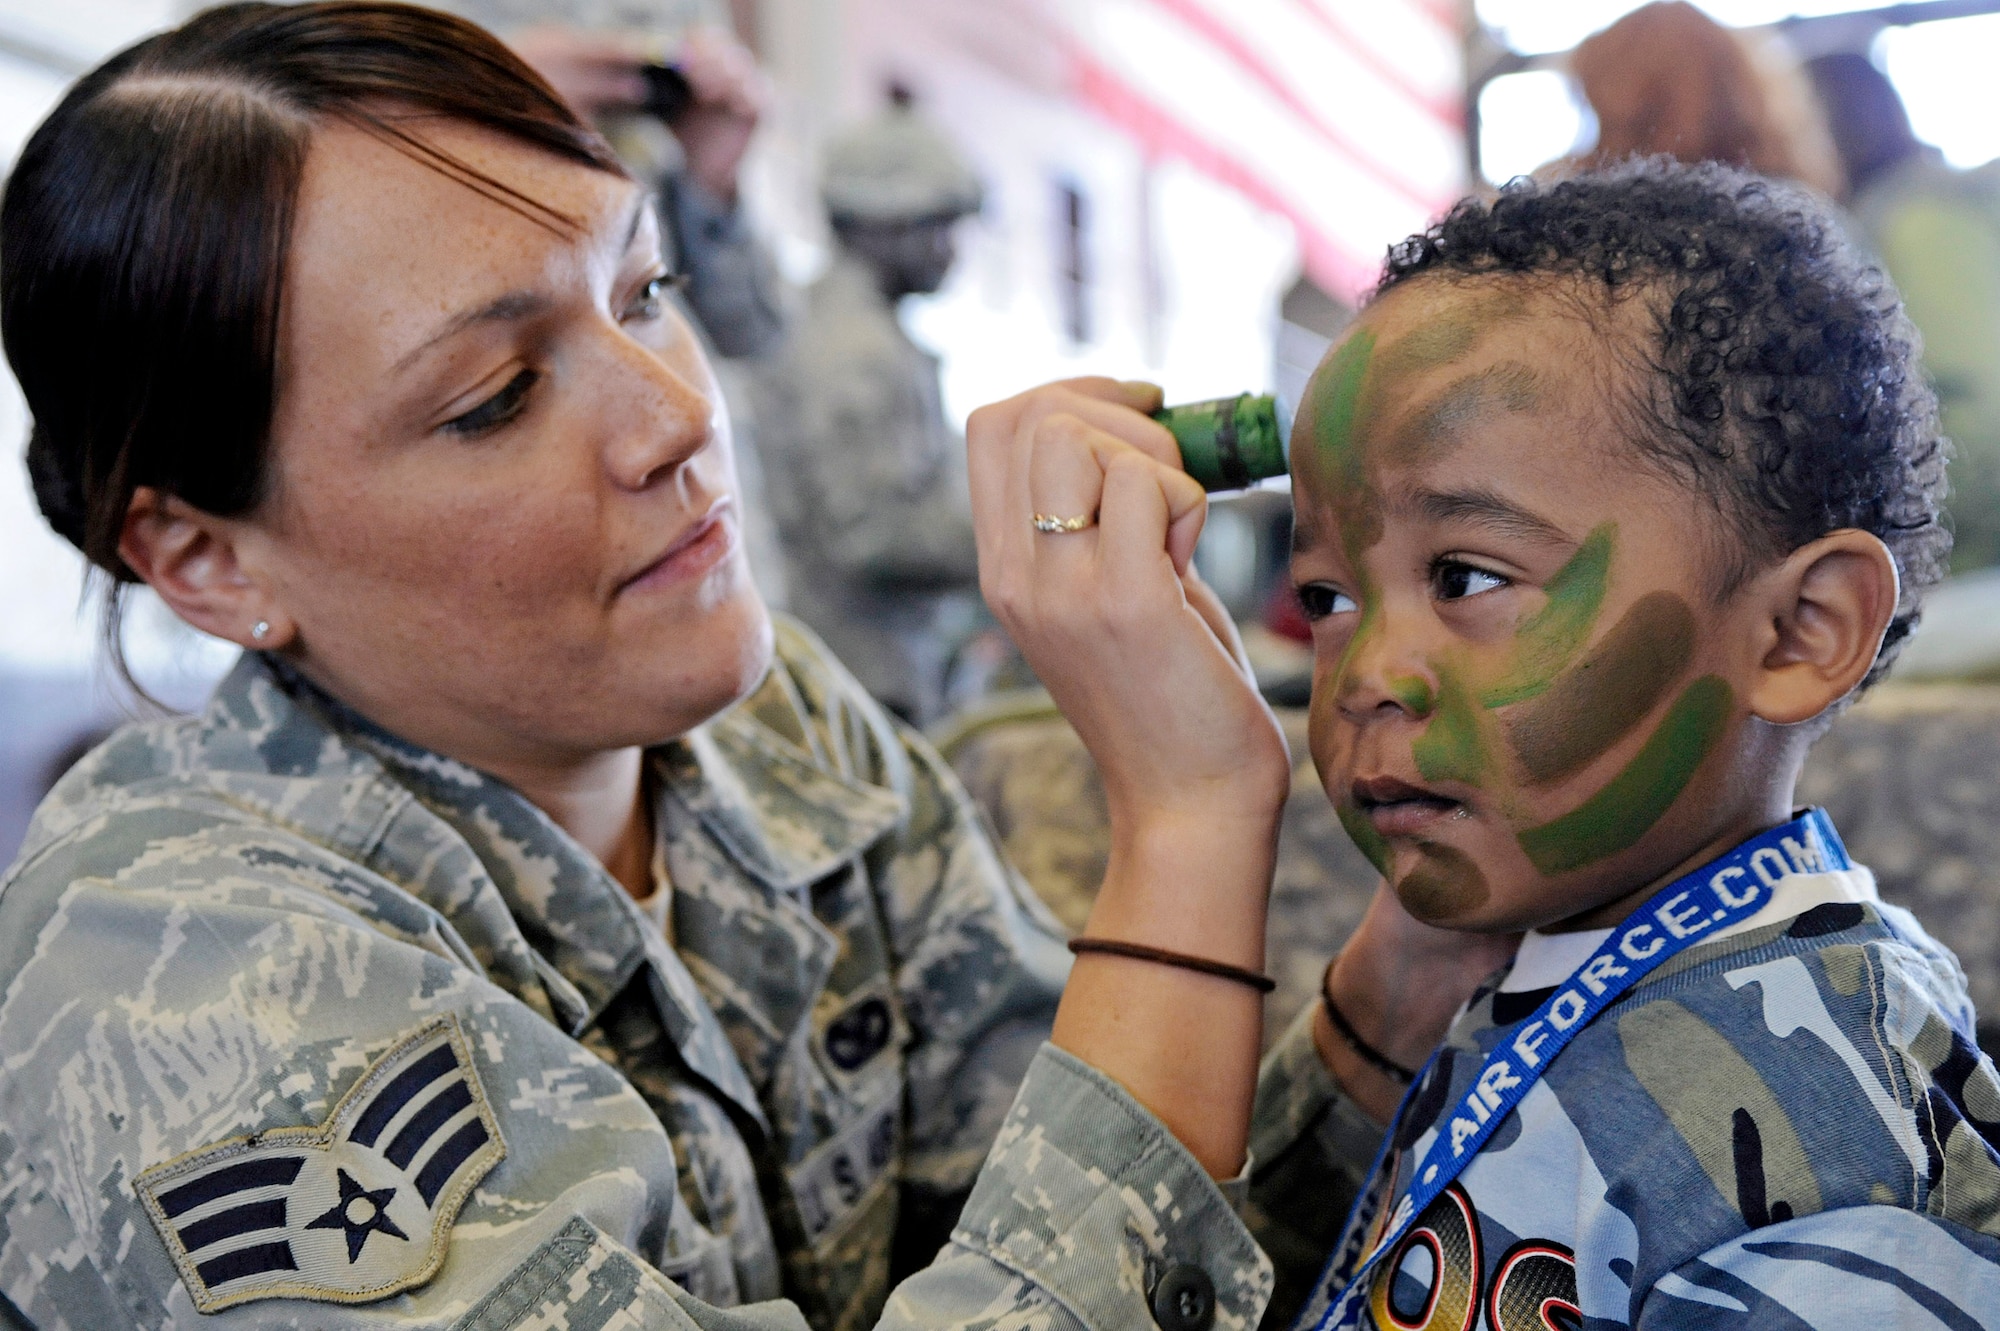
(1614, 688)
(1452, 747)
(1617, 816)
(1363, 834)
(1559, 629)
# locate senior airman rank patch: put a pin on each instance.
(353, 1210)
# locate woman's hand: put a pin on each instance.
(1145, 663)
(598, 73)
(729, 99)
(593, 72)
(1132, 645)
(1399, 982)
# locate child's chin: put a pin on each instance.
(1443, 887)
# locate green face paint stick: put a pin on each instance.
(1228, 443)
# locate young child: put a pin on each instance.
(1605, 506)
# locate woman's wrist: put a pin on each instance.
(1199, 886)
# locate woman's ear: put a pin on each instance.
(1827, 606)
(192, 561)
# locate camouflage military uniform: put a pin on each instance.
(867, 483)
(276, 982)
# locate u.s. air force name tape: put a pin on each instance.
(355, 1209)
(1682, 914)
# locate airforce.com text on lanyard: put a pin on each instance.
(1680, 915)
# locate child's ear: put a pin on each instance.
(1825, 609)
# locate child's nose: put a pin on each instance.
(1384, 677)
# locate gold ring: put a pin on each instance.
(1050, 523)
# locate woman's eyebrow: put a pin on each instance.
(1483, 508)
(516, 305)
(502, 309)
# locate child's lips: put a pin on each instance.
(1397, 808)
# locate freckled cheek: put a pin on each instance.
(473, 560)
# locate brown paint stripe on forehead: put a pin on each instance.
(1589, 709)
(1449, 337)
(1441, 422)
(1439, 342)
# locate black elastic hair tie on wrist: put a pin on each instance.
(1222, 970)
(1370, 1055)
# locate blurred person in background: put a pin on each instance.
(866, 477)
(1666, 78)
(1937, 231)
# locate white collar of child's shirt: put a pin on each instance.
(1546, 960)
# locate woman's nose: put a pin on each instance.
(659, 418)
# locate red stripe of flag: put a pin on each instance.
(1233, 45)
(1448, 113)
(1329, 262)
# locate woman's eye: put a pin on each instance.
(650, 303)
(1455, 581)
(1321, 600)
(497, 410)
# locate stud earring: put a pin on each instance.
(261, 630)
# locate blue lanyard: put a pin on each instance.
(1680, 915)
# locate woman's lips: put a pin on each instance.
(693, 554)
(1397, 808)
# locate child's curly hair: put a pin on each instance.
(1784, 381)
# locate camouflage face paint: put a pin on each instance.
(1454, 745)
(1362, 833)
(1553, 635)
(1433, 431)
(1617, 816)
(1415, 695)
(1332, 410)
(1589, 709)
(1445, 884)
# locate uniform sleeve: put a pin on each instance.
(1089, 1214)
(1311, 1148)
(1854, 1269)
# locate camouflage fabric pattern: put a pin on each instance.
(1785, 1127)
(219, 923)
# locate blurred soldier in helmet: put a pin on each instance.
(866, 479)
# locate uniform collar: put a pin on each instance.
(782, 820)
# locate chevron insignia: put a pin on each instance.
(353, 1210)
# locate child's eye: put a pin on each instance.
(651, 300)
(497, 410)
(1321, 600)
(1454, 581)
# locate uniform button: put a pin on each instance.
(1184, 1300)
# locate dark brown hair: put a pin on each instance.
(145, 230)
